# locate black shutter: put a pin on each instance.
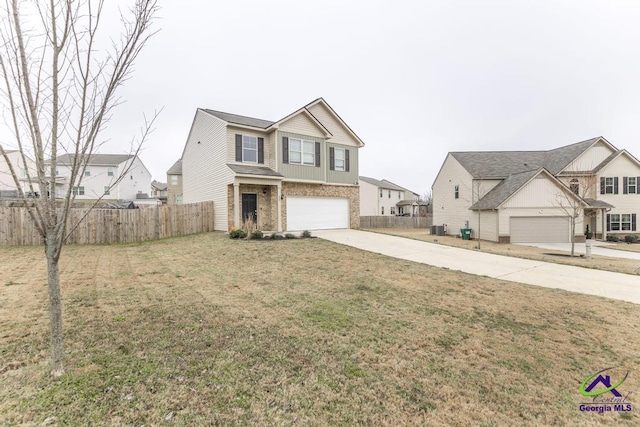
(637, 184)
(238, 148)
(602, 185)
(608, 222)
(615, 185)
(346, 160)
(285, 149)
(317, 154)
(624, 185)
(260, 150)
(332, 159)
(633, 222)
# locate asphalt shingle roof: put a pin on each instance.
(382, 184)
(253, 170)
(502, 191)
(240, 120)
(97, 159)
(176, 169)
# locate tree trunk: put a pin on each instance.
(573, 235)
(55, 309)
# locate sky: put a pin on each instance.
(413, 79)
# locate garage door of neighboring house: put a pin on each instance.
(317, 213)
(543, 229)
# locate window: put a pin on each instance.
(389, 191)
(393, 210)
(179, 199)
(382, 211)
(78, 191)
(398, 195)
(106, 190)
(23, 172)
(381, 193)
(630, 184)
(302, 152)
(621, 222)
(111, 171)
(609, 185)
(87, 172)
(574, 185)
(174, 179)
(456, 192)
(339, 159)
(249, 149)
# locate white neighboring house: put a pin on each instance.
(101, 173)
(384, 198)
(7, 183)
(516, 193)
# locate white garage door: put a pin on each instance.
(317, 213)
(542, 229)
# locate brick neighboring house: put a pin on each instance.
(174, 184)
(519, 195)
(297, 173)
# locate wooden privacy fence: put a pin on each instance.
(396, 221)
(112, 225)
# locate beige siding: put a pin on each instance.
(447, 209)
(623, 203)
(488, 225)
(340, 134)
(482, 186)
(368, 199)
(539, 192)
(590, 158)
(231, 144)
(302, 124)
(204, 170)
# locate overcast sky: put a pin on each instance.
(414, 79)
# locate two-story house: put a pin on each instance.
(110, 176)
(22, 167)
(297, 173)
(384, 198)
(531, 196)
(174, 183)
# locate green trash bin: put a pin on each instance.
(465, 233)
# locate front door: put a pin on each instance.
(250, 207)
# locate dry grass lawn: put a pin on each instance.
(620, 265)
(203, 330)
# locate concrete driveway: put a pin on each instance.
(618, 286)
(597, 248)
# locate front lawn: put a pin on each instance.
(204, 330)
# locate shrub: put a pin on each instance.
(612, 238)
(274, 236)
(237, 234)
(290, 236)
(257, 234)
(630, 238)
(306, 233)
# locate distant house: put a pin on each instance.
(518, 196)
(384, 198)
(23, 169)
(101, 174)
(159, 191)
(297, 173)
(174, 184)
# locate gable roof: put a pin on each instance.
(405, 189)
(160, 186)
(176, 169)
(97, 159)
(381, 184)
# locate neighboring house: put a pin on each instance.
(519, 195)
(384, 198)
(297, 173)
(100, 177)
(159, 191)
(22, 169)
(174, 184)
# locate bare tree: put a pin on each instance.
(570, 200)
(60, 73)
(427, 198)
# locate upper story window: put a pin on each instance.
(609, 185)
(174, 179)
(398, 195)
(389, 191)
(302, 152)
(249, 149)
(78, 191)
(382, 210)
(456, 192)
(574, 186)
(339, 159)
(381, 193)
(630, 185)
(107, 190)
(87, 171)
(111, 171)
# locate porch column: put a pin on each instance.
(236, 205)
(604, 224)
(279, 208)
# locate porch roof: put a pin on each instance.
(254, 170)
(593, 203)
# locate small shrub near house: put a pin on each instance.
(290, 236)
(237, 233)
(257, 235)
(631, 238)
(306, 233)
(612, 238)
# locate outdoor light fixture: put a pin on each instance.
(264, 191)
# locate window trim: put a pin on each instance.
(302, 152)
(635, 185)
(336, 158)
(174, 179)
(244, 160)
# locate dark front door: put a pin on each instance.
(250, 207)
